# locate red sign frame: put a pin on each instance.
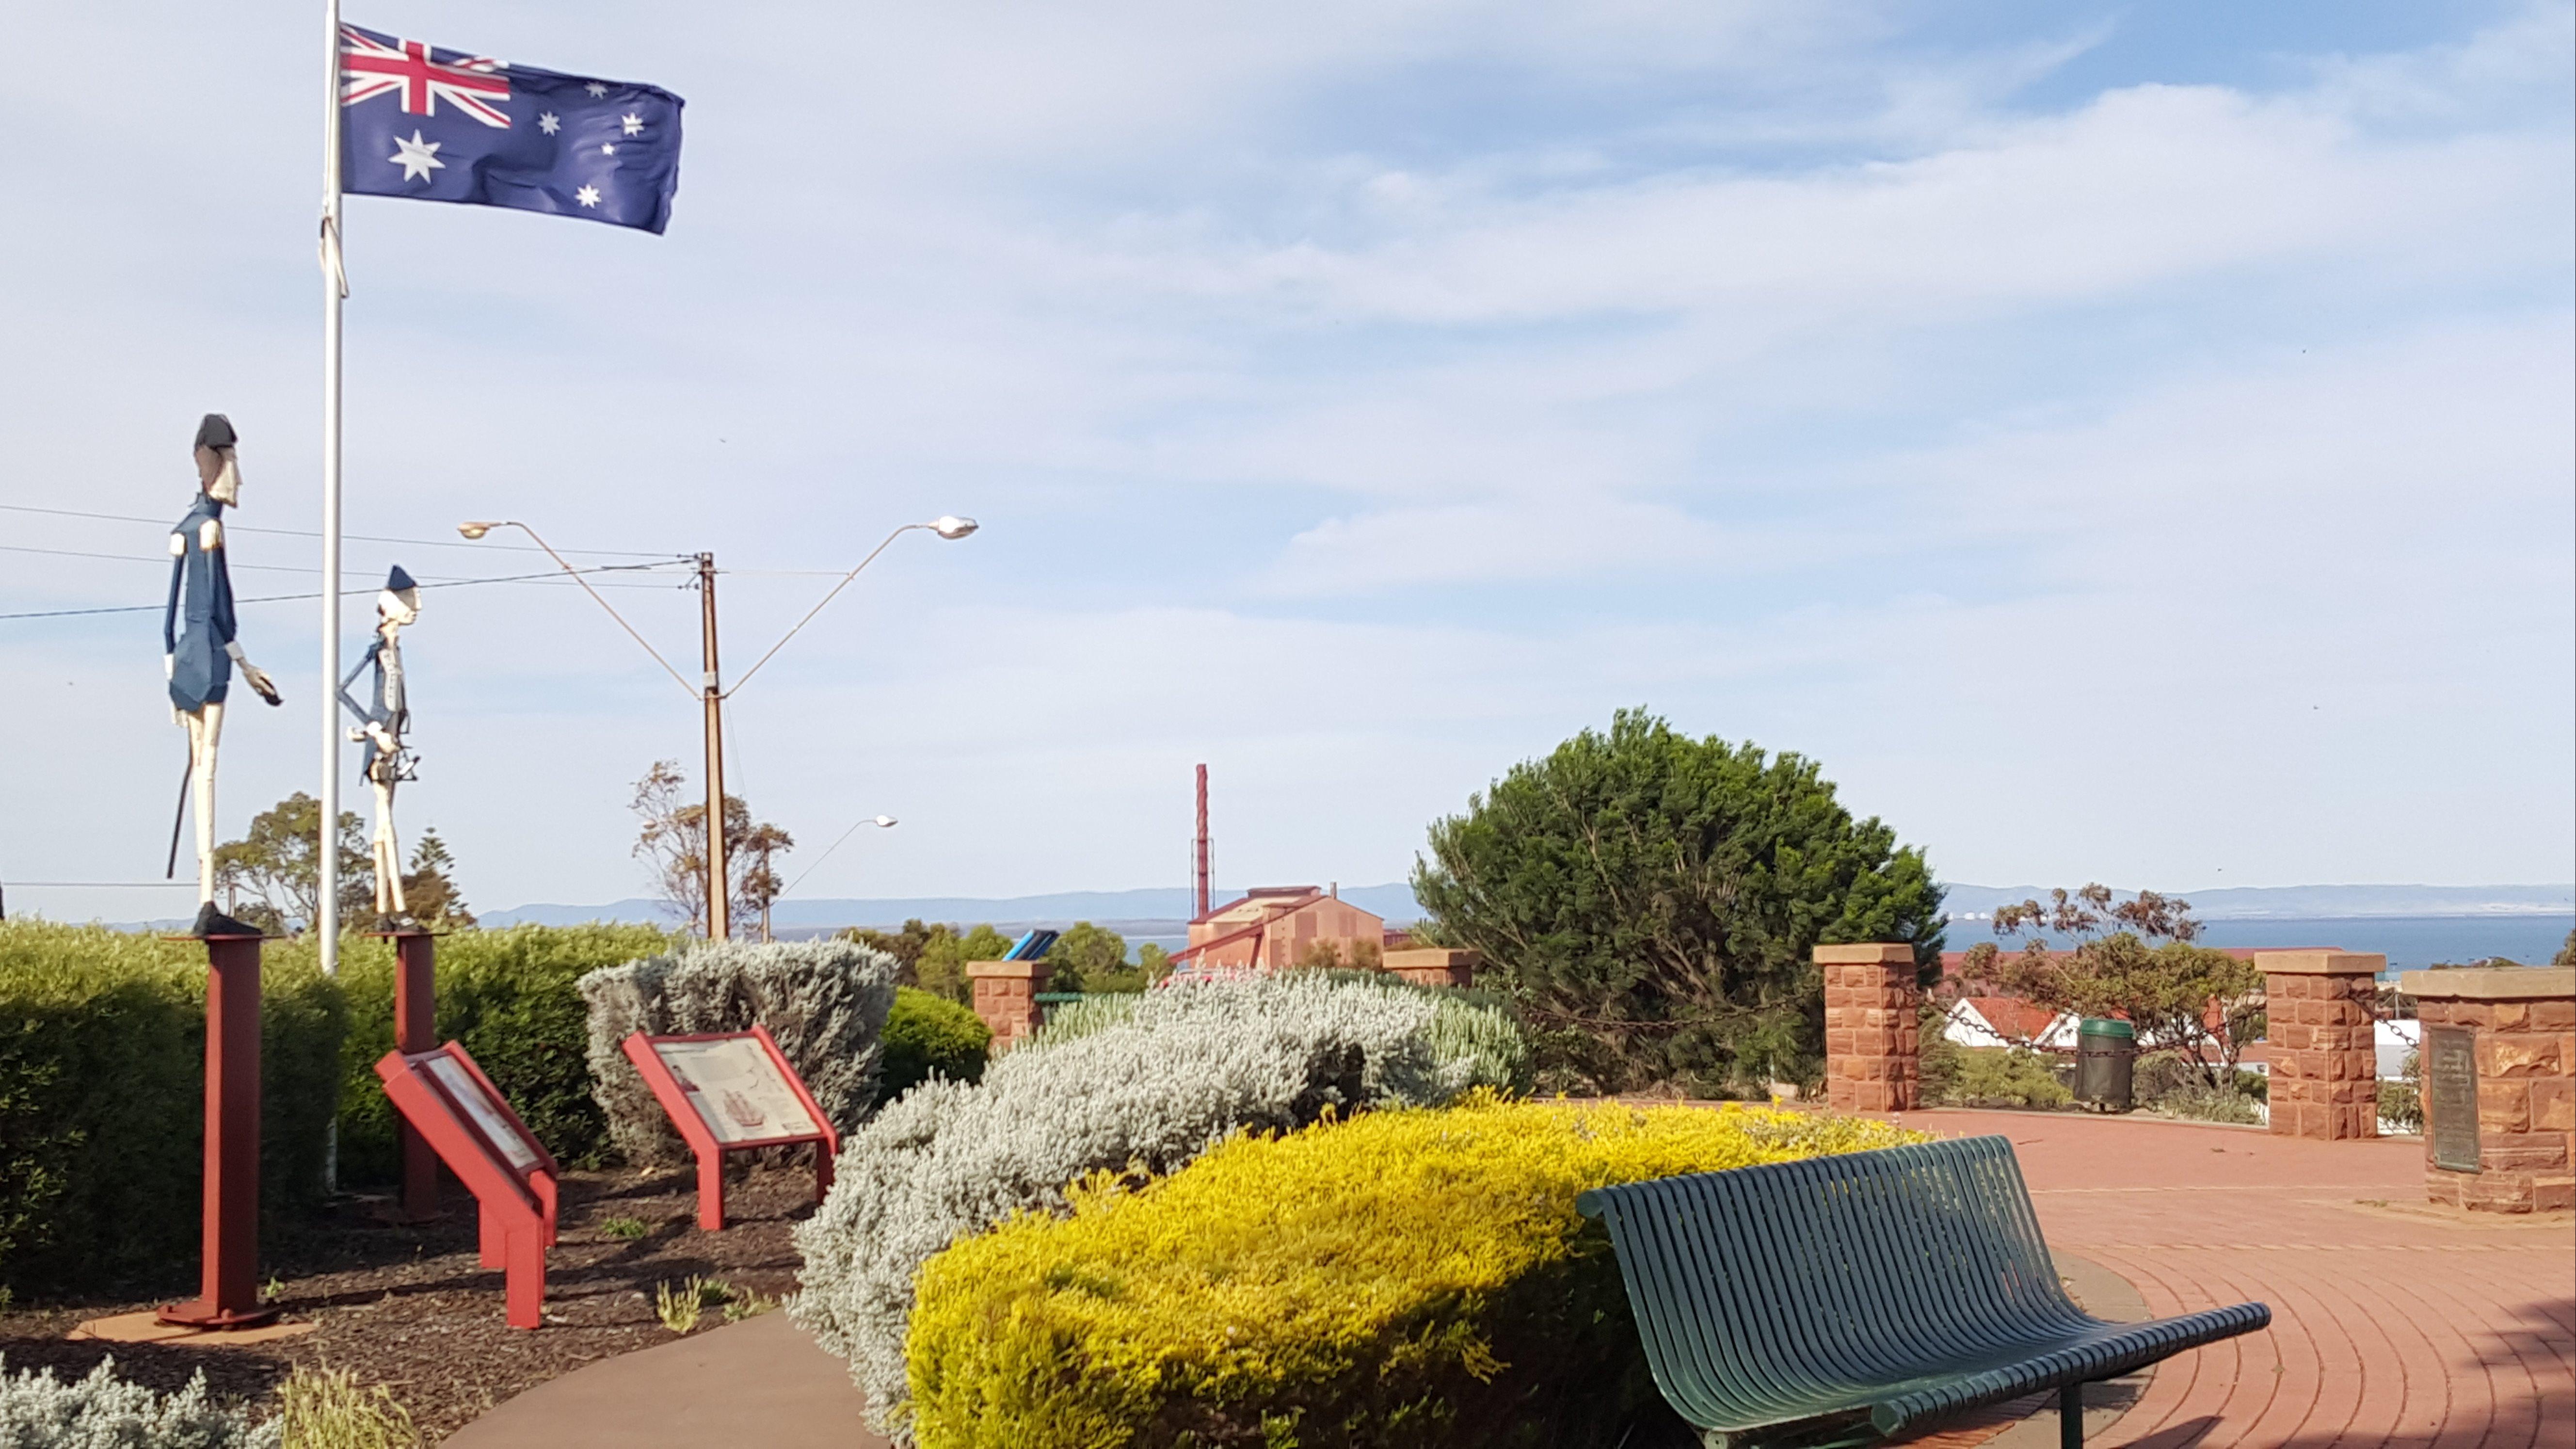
(517, 1200)
(679, 1103)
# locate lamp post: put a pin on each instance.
(881, 822)
(710, 690)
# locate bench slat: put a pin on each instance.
(1890, 1287)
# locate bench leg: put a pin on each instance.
(2070, 1417)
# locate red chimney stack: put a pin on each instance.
(1204, 855)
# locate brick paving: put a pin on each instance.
(2394, 1322)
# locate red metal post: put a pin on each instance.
(1204, 853)
(230, 1279)
(415, 1031)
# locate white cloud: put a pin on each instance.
(1361, 399)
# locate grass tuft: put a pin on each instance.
(326, 1408)
(680, 1306)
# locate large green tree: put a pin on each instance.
(272, 876)
(1653, 901)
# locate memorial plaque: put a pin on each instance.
(494, 1124)
(737, 1089)
(2451, 1096)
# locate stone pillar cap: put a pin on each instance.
(2492, 983)
(2320, 963)
(1867, 953)
(1010, 970)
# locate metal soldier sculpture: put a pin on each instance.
(199, 650)
(381, 722)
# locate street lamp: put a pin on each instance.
(710, 690)
(881, 822)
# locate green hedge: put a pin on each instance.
(102, 1069)
(509, 997)
(102, 1109)
(926, 1033)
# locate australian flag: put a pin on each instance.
(442, 125)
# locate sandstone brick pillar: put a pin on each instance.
(1006, 997)
(2505, 1040)
(2325, 1067)
(1872, 1028)
(1433, 966)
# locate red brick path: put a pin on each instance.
(2400, 1324)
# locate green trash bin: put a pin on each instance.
(2106, 1053)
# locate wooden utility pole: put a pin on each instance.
(719, 902)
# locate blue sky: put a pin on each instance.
(2121, 442)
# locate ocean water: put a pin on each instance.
(2409, 942)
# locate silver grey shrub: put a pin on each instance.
(1470, 1036)
(102, 1411)
(1140, 1086)
(825, 1002)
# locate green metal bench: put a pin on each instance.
(1856, 1296)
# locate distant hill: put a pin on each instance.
(1150, 906)
(1156, 910)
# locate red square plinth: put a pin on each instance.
(228, 1295)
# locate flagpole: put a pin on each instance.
(335, 287)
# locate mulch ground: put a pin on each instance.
(412, 1309)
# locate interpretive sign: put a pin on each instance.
(732, 1092)
(465, 1119)
(2451, 1096)
(739, 1090)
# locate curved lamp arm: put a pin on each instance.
(480, 528)
(881, 822)
(950, 527)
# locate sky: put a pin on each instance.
(2120, 442)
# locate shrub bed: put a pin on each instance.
(2004, 1077)
(824, 1002)
(926, 1034)
(1414, 1277)
(102, 1411)
(102, 1111)
(1180, 1069)
(511, 997)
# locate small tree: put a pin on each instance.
(1088, 958)
(941, 967)
(757, 882)
(672, 842)
(277, 865)
(430, 888)
(905, 946)
(2203, 1002)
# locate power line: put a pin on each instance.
(142, 558)
(426, 579)
(344, 593)
(96, 885)
(311, 533)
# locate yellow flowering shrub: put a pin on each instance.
(1414, 1277)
